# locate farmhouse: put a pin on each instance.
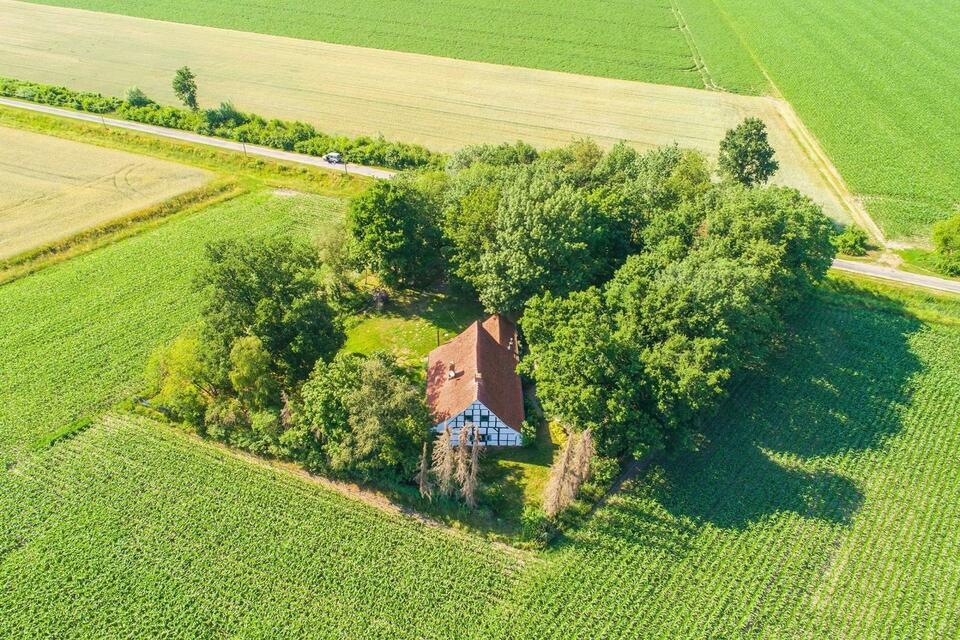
(473, 379)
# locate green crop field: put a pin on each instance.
(822, 502)
(631, 40)
(875, 82)
(75, 337)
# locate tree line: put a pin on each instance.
(225, 121)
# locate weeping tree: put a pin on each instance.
(423, 476)
(469, 487)
(444, 462)
(568, 473)
(555, 497)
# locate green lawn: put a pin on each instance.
(411, 325)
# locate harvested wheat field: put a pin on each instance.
(439, 102)
(51, 188)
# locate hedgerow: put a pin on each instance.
(227, 122)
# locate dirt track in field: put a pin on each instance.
(52, 188)
(438, 102)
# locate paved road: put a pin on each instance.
(187, 136)
(887, 273)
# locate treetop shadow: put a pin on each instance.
(839, 385)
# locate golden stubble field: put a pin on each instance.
(52, 188)
(439, 102)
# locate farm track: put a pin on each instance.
(894, 275)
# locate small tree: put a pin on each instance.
(137, 98)
(423, 476)
(946, 240)
(746, 155)
(444, 462)
(396, 234)
(852, 241)
(185, 87)
(463, 455)
(469, 488)
(556, 495)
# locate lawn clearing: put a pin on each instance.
(51, 188)
(411, 325)
(438, 102)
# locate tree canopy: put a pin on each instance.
(185, 87)
(396, 233)
(268, 289)
(746, 156)
(642, 359)
(368, 419)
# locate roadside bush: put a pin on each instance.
(946, 240)
(228, 122)
(372, 151)
(58, 96)
(137, 98)
(497, 155)
(852, 241)
(155, 114)
(226, 116)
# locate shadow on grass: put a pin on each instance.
(411, 324)
(838, 385)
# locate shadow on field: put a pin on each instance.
(838, 385)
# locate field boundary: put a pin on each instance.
(349, 490)
(811, 147)
(88, 240)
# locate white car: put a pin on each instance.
(333, 157)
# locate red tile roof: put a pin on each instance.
(486, 348)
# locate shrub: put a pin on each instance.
(225, 417)
(137, 98)
(946, 240)
(535, 526)
(852, 241)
